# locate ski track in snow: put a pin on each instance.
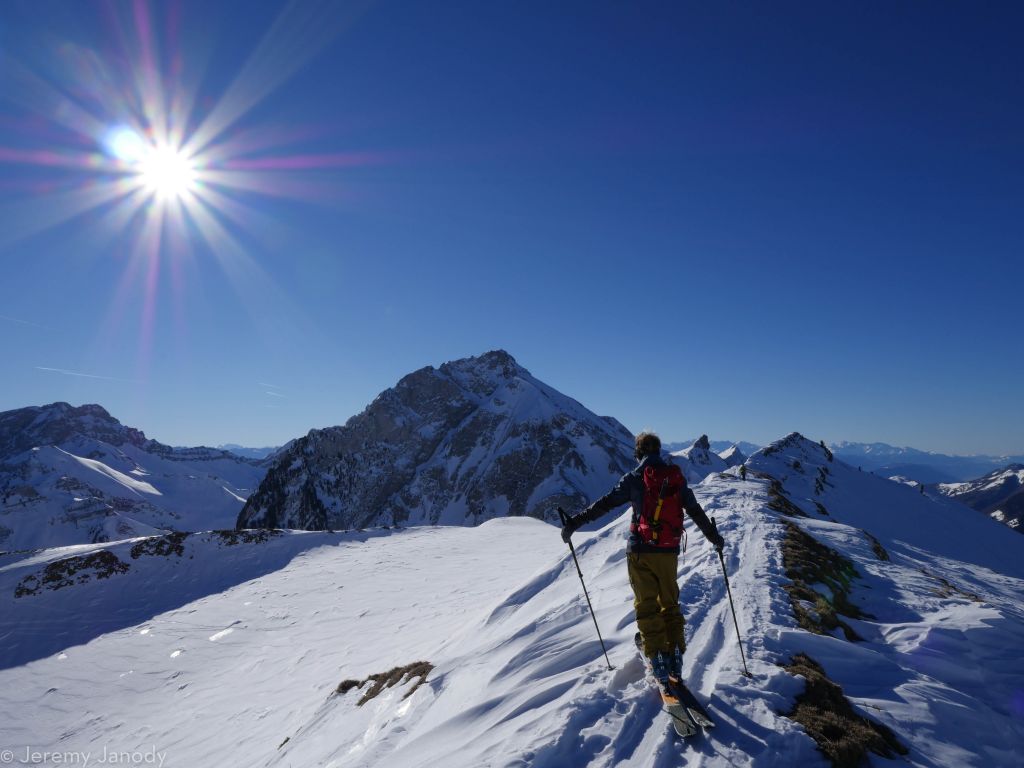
(520, 678)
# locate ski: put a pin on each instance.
(684, 725)
(693, 707)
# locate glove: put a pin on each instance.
(571, 524)
(718, 542)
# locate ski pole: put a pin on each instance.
(739, 639)
(564, 518)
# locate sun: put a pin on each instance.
(167, 173)
(164, 171)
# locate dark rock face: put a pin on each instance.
(474, 439)
(25, 428)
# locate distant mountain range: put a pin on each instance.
(250, 453)
(471, 440)
(77, 475)
(923, 466)
(718, 446)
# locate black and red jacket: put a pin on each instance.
(630, 490)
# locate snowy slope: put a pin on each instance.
(257, 636)
(471, 440)
(77, 475)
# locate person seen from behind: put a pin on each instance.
(659, 495)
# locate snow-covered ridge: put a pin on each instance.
(472, 440)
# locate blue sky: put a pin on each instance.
(737, 219)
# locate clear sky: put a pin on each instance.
(236, 221)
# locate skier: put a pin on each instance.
(658, 493)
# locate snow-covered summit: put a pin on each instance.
(474, 439)
(732, 456)
(698, 461)
(819, 484)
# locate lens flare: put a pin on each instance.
(132, 148)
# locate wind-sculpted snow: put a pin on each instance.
(475, 439)
(516, 674)
(68, 596)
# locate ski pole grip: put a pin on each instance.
(561, 515)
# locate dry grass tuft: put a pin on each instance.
(389, 679)
(844, 736)
(809, 563)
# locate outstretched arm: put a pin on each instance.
(618, 496)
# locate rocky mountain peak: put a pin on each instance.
(56, 423)
(698, 461)
(473, 439)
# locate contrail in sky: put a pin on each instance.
(23, 322)
(83, 375)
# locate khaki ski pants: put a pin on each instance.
(656, 599)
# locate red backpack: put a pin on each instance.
(660, 523)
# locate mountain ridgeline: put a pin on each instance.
(76, 475)
(999, 494)
(474, 439)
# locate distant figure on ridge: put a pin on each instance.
(659, 494)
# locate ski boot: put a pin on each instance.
(675, 666)
(660, 665)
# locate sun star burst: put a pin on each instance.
(167, 173)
